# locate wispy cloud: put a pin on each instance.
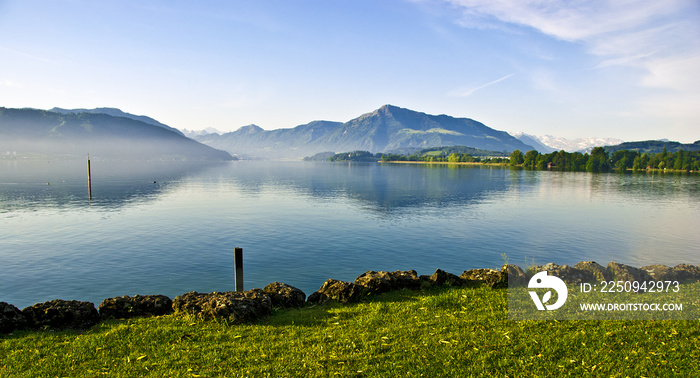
(468, 91)
(637, 33)
(27, 55)
(11, 84)
(570, 20)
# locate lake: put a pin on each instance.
(157, 228)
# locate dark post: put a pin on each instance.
(238, 267)
(89, 180)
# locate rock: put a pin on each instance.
(283, 295)
(405, 279)
(442, 278)
(622, 272)
(60, 314)
(344, 292)
(380, 282)
(139, 305)
(598, 271)
(567, 274)
(375, 282)
(236, 307)
(513, 275)
(489, 277)
(660, 272)
(686, 272)
(11, 318)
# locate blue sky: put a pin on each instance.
(626, 69)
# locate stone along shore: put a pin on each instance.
(249, 306)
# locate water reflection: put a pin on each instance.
(379, 188)
(62, 184)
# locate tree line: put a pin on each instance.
(454, 157)
(599, 160)
(430, 157)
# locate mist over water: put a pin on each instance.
(157, 228)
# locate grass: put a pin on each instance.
(441, 332)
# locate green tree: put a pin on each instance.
(678, 164)
(578, 161)
(561, 160)
(638, 163)
(516, 158)
(598, 160)
(530, 160)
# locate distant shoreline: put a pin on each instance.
(652, 170)
(443, 162)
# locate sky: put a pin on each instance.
(628, 69)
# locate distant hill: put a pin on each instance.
(118, 113)
(32, 133)
(654, 146)
(447, 150)
(387, 128)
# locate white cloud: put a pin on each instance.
(628, 33)
(657, 40)
(678, 72)
(11, 84)
(571, 20)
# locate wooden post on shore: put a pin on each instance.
(89, 180)
(238, 268)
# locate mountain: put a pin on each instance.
(533, 141)
(387, 128)
(196, 133)
(578, 144)
(41, 133)
(654, 146)
(118, 113)
(253, 141)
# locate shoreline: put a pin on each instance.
(613, 170)
(442, 162)
(252, 305)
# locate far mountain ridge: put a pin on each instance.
(549, 143)
(578, 144)
(382, 130)
(32, 133)
(117, 113)
(533, 141)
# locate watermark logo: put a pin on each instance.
(542, 281)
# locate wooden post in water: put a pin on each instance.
(89, 180)
(238, 268)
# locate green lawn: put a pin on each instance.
(457, 332)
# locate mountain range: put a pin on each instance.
(33, 133)
(113, 134)
(549, 143)
(386, 129)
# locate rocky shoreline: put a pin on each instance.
(249, 306)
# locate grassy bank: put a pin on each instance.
(442, 332)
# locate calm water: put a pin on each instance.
(169, 229)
